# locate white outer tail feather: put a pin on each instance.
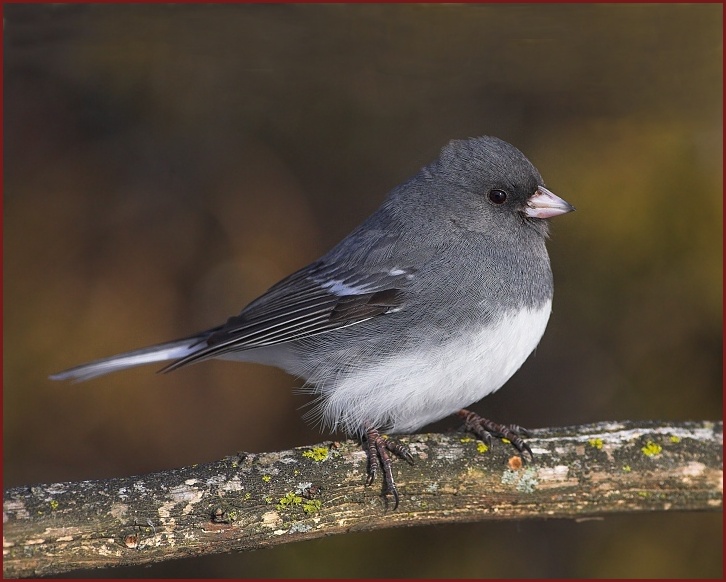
(158, 353)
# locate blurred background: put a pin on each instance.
(165, 164)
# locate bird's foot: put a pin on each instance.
(484, 429)
(377, 449)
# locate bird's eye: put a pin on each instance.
(497, 196)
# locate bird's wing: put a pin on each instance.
(318, 298)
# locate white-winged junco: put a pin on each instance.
(428, 306)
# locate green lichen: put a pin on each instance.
(267, 478)
(481, 447)
(651, 449)
(292, 499)
(506, 441)
(509, 477)
(289, 500)
(53, 504)
(627, 469)
(596, 443)
(643, 493)
(466, 439)
(267, 499)
(675, 439)
(528, 481)
(247, 496)
(312, 506)
(525, 481)
(317, 454)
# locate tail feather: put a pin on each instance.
(158, 353)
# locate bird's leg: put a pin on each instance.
(484, 429)
(377, 448)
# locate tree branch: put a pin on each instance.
(252, 501)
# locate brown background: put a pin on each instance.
(166, 164)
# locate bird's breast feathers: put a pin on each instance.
(407, 391)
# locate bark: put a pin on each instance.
(250, 501)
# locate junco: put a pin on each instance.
(425, 308)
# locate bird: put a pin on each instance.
(432, 303)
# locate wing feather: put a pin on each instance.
(316, 299)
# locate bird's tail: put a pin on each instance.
(158, 353)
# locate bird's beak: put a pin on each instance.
(545, 204)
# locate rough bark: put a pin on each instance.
(252, 501)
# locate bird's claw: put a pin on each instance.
(377, 448)
(484, 429)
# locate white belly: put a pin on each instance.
(403, 394)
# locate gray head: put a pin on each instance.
(486, 184)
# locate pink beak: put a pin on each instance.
(545, 204)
